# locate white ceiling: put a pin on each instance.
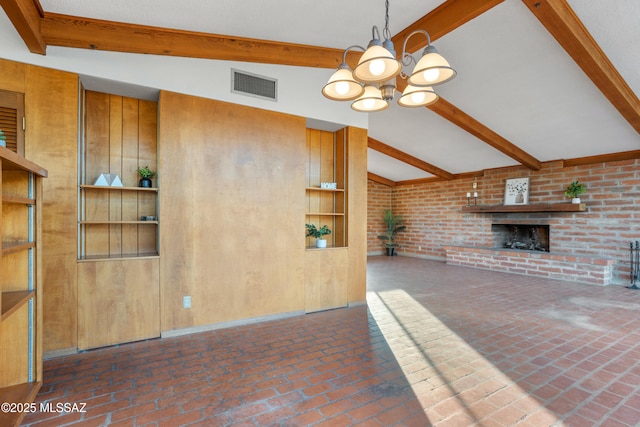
(513, 76)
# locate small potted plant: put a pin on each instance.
(145, 176)
(3, 139)
(574, 190)
(394, 226)
(318, 233)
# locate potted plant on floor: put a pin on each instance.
(145, 176)
(318, 233)
(394, 226)
(574, 190)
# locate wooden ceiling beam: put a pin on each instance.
(603, 158)
(565, 26)
(86, 33)
(380, 180)
(25, 17)
(442, 20)
(383, 148)
(477, 129)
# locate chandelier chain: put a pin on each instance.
(386, 32)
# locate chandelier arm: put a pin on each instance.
(406, 57)
(355, 46)
(375, 33)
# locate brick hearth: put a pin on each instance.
(577, 268)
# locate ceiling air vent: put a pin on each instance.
(254, 85)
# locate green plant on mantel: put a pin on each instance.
(575, 189)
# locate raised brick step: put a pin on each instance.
(576, 268)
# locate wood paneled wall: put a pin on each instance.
(232, 211)
(232, 205)
(357, 201)
(51, 140)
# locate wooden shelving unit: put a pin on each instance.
(101, 221)
(326, 206)
(20, 298)
(118, 252)
(538, 207)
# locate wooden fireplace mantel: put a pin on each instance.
(538, 207)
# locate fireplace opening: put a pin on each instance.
(527, 237)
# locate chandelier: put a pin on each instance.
(372, 83)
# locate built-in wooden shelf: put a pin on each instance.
(116, 222)
(538, 207)
(328, 248)
(15, 162)
(11, 301)
(18, 200)
(324, 214)
(91, 258)
(12, 247)
(104, 187)
(333, 190)
(21, 393)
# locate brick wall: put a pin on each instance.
(434, 217)
(378, 199)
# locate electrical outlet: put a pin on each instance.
(475, 185)
(419, 248)
(186, 301)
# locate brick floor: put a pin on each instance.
(436, 345)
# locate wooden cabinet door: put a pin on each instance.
(118, 301)
(325, 279)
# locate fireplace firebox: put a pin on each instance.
(527, 237)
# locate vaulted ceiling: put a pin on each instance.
(538, 80)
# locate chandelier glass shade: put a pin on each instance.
(378, 63)
(431, 69)
(418, 96)
(342, 86)
(370, 101)
(371, 85)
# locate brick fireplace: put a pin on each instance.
(524, 248)
(532, 237)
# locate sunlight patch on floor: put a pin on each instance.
(452, 381)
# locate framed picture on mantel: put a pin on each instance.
(516, 191)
